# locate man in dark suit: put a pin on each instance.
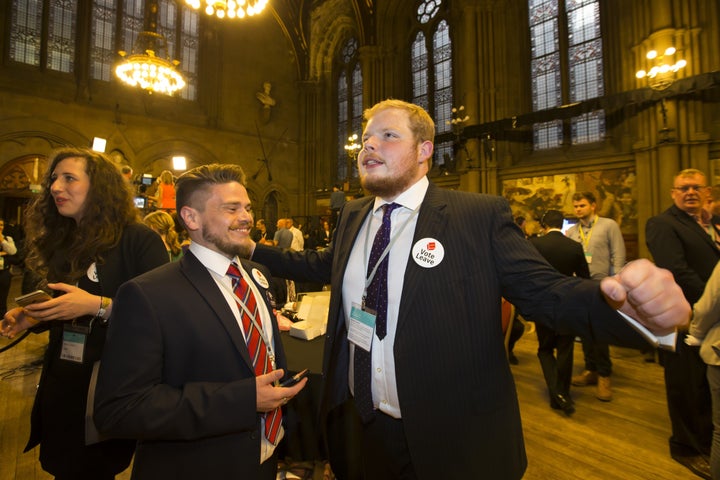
(176, 373)
(567, 257)
(443, 402)
(684, 239)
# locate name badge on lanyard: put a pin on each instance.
(362, 326)
(73, 343)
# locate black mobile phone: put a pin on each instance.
(294, 379)
(32, 297)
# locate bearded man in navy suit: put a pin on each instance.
(177, 373)
(442, 391)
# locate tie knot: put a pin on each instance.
(388, 208)
(233, 271)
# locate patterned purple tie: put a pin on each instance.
(256, 345)
(376, 299)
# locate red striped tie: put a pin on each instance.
(256, 345)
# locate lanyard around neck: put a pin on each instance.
(586, 241)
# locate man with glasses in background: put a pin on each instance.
(684, 239)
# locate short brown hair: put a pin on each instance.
(421, 124)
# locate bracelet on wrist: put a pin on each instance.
(102, 313)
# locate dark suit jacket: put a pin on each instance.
(456, 390)
(176, 376)
(563, 253)
(677, 242)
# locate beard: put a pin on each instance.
(241, 250)
(390, 186)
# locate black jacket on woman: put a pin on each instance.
(58, 415)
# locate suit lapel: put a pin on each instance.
(695, 226)
(200, 278)
(432, 220)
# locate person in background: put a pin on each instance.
(298, 241)
(85, 238)
(193, 356)
(127, 172)
(337, 200)
(164, 225)
(416, 356)
(323, 236)
(283, 237)
(704, 331)
(260, 233)
(567, 257)
(7, 249)
(165, 194)
(713, 202)
(604, 248)
(684, 239)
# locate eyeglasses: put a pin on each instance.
(686, 188)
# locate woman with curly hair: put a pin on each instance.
(85, 239)
(164, 225)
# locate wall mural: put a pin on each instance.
(615, 190)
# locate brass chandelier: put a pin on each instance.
(229, 8)
(149, 66)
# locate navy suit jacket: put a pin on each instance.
(176, 375)
(456, 391)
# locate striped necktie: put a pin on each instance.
(256, 345)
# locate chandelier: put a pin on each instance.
(661, 72)
(352, 147)
(229, 8)
(149, 66)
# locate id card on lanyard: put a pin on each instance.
(73, 342)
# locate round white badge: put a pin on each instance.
(428, 252)
(92, 273)
(260, 278)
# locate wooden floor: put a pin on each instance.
(623, 439)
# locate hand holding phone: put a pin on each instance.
(295, 378)
(33, 297)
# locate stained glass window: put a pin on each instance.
(27, 33)
(350, 106)
(584, 66)
(431, 70)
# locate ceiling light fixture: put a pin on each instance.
(149, 65)
(229, 8)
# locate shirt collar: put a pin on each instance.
(213, 260)
(410, 198)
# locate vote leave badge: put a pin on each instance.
(428, 252)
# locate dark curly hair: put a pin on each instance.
(108, 210)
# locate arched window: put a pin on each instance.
(42, 33)
(565, 37)
(179, 24)
(431, 70)
(350, 106)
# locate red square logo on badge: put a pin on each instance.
(431, 246)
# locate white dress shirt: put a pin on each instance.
(384, 386)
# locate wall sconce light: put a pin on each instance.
(99, 144)
(661, 69)
(352, 147)
(179, 163)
